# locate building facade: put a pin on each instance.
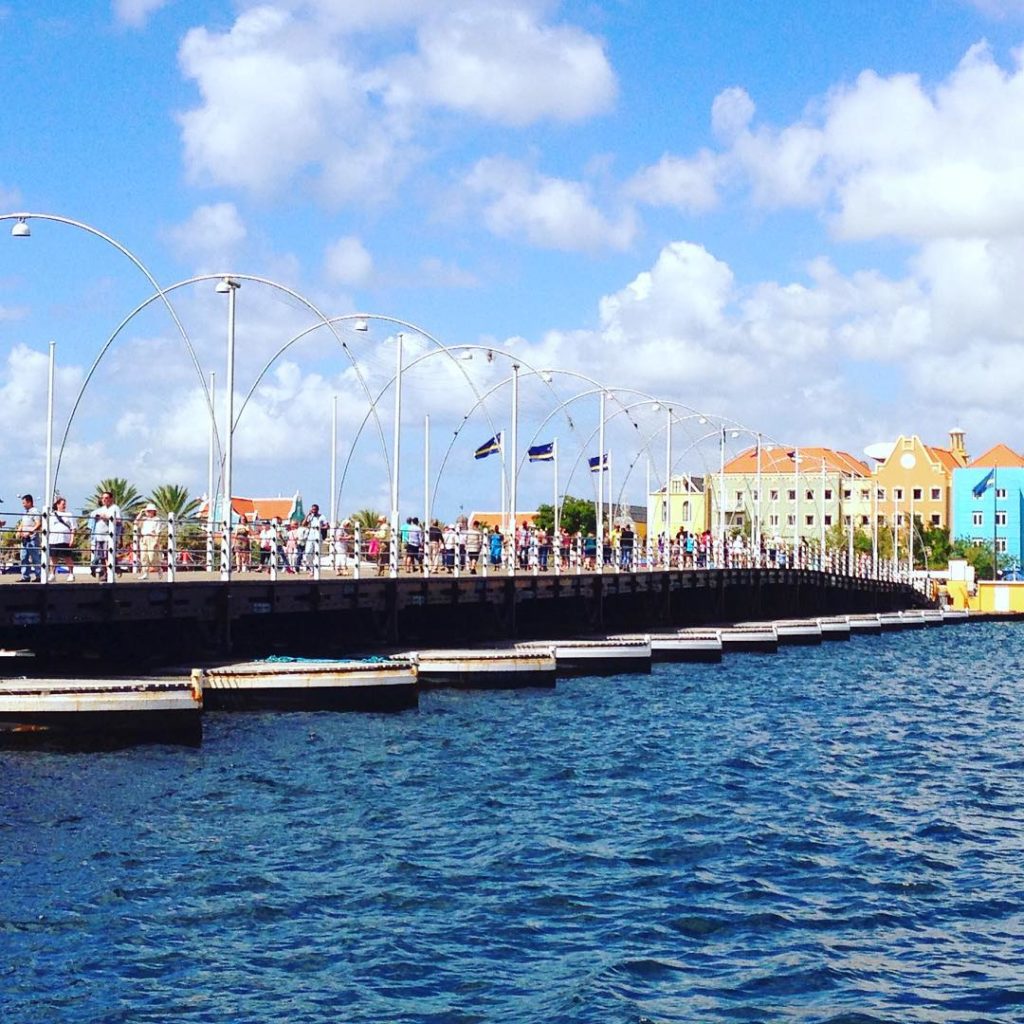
(994, 515)
(915, 480)
(685, 509)
(803, 492)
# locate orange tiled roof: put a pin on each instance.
(778, 459)
(1000, 456)
(494, 519)
(944, 456)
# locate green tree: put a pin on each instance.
(173, 499)
(367, 518)
(126, 496)
(576, 514)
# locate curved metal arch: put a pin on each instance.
(441, 350)
(593, 433)
(500, 384)
(161, 294)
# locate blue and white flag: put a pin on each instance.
(984, 483)
(542, 452)
(489, 447)
(599, 463)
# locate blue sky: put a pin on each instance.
(805, 218)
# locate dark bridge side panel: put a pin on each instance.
(128, 627)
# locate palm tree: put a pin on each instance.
(367, 518)
(173, 499)
(126, 496)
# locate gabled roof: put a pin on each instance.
(253, 509)
(779, 459)
(1000, 456)
(944, 456)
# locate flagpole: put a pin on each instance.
(600, 489)
(650, 518)
(556, 539)
(995, 492)
(334, 462)
(512, 464)
(668, 478)
(796, 507)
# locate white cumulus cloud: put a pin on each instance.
(347, 262)
(135, 13)
(551, 213)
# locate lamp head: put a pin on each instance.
(226, 284)
(21, 229)
(361, 325)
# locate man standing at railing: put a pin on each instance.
(106, 525)
(29, 527)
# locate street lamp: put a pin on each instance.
(21, 229)
(228, 286)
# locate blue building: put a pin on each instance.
(988, 502)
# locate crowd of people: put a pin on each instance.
(109, 544)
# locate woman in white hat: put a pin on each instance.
(149, 527)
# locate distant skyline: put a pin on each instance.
(805, 218)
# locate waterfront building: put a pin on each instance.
(801, 491)
(995, 513)
(915, 479)
(685, 509)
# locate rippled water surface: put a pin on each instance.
(827, 834)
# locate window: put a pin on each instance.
(810, 495)
(1000, 544)
(865, 493)
(792, 495)
(828, 493)
(908, 444)
(809, 520)
(936, 494)
(936, 519)
(755, 495)
(865, 520)
(847, 494)
(773, 494)
(790, 520)
(881, 494)
(686, 511)
(828, 520)
(918, 493)
(977, 518)
(1000, 492)
(897, 494)
(899, 518)
(1000, 518)
(739, 497)
(773, 520)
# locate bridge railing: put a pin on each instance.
(148, 546)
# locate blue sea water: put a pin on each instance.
(830, 834)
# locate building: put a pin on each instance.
(914, 478)
(803, 492)
(996, 513)
(686, 508)
(255, 510)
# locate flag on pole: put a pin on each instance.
(490, 447)
(983, 484)
(542, 452)
(599, 463)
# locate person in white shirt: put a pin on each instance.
(106, 530)
(313, 526)
(62, 537)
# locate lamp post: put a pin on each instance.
(396, 448)
(228, 286)
(211, 499)
(600, 489)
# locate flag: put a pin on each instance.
(598, 463)
(984, 484)
(542, 452)
(489, 447)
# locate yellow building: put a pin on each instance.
(917, 478)
(686, 508)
